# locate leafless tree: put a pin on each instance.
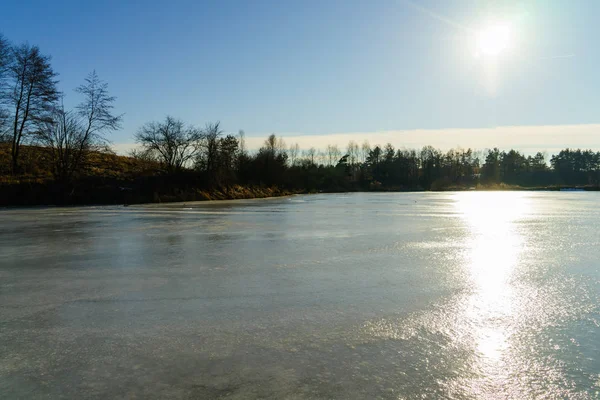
(242, 153)
(353, 152)
(96, 111)
(207, 157)
(294, 152)
(322, 158)
(171, 142)
(141, 155)
(62, 134)
(365, 149)
(5, 55)
(71, 136)
(329, 154)
(275, 146)
(333, 154)
(281, 147)
(5, 61)
(310, 155)
(242, 142)
(33, 96)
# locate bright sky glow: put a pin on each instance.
(494, 39)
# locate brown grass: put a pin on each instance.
(36, 165)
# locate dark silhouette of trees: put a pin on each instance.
(431, 166)
(353, 153)
(33, 96)
(171, 143)
(310, 156)
(218, 157)
(490, 172)
(577, 167)
(208, 155)
(537, 163)
(227, 160)
(270, 163)
(514, 168)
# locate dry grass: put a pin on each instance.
(497, 186)
(36, 165)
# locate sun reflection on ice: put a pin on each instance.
(494, 249)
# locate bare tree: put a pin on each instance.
(62, 135)
(275, 146)
(96, 111)
(365, 150)
(310, 155)
(321, 158)
(242, 158)
(170, 142)
(281, 147)
(353, 152)
(5, 55)
(294, 152)
(207, 157)
(33, 95)
(242, 142)
(329, 154)
(5, 61)
(337, 153)
(333, 154)
(71, 136)
(142, 155)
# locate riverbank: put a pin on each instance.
(155, 191)
(107, 192)
(107, 178)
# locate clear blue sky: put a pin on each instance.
(320, 67)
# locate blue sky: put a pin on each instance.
(332, 68)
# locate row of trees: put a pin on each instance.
(32, 111)
(222, 159)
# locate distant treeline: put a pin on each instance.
(222, 160)
(52, 155)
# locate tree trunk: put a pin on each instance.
(15, 159)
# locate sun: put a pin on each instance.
(494, 39)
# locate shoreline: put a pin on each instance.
(208, 197)
(223, 201)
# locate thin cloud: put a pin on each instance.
(558, 57)
(525, 138)
(529, 139)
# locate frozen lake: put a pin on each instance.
(356, 296)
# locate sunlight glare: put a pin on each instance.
(494, 39)
(495, 249)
